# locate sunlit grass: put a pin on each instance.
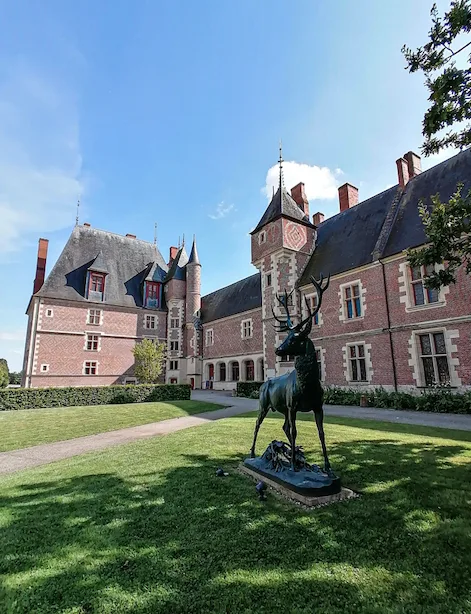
(148, 527)
(31, 427)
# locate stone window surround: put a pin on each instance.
(209, 337)
(95, 362)
(88, 317)
(406, 293)
(248, 321)
(152, 318)
(343, 317)
(173, 365)
(49, 313)
(322, 352)
(95, 334)
(451, 348)
(320, 320)
(174, 342)
(44, 368)
(368, 363)
(262, 237)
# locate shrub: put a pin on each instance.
(32, 398)
(255, 394)
(245, 389)
(437, 399)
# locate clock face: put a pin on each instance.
(295, 235)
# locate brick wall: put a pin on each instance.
(228, 339)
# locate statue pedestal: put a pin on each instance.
(285, 489)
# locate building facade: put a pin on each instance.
(378, 325)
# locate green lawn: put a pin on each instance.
(148, 528)
(31, 427)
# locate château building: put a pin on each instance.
(378, 325)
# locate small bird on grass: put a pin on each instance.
(220, 473)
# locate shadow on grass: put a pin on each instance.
(183, 540)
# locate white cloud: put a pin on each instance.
(40, 162)
(14, 335)
(222, 210)
(441, 156)
(319, 182)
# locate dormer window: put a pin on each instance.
(96, 286)
(152, 296)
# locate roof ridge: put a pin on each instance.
(114, 234)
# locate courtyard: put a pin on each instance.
(148, 527)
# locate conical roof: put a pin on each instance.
(194, 259)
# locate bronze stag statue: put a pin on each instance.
(299, 390)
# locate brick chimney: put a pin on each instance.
(129, 236)
(40, 265)
(413, 163)
(299, 196)
(173, 253)
(402, 172)
(318, 218)
(348, 196)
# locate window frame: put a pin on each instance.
(433, 356)
(44, 368)
(92, 365)
(268, 280)
(354, 300)
(100, 317)
(318, 352)
(49, 313)
(152, 293)
(262, 237)
(221, 365)
(244, 325)
(172, 322)
(209, 337)
(357, 358)
(313, 300)
(174, 345)
(420, 281)
(173, 365)
(150, 318)
(92, 342)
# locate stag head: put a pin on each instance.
(295, 342)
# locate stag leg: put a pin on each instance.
(319, 415)
(294, 434)
(262, 413)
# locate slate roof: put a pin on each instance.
(177, 266)
(282, 204)
(385, 224)
(99, 264)
(128, 261)
(238, 297)
(194, 258)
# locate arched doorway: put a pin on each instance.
(249, 370)
(235, 371)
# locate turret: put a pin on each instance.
(193, 284)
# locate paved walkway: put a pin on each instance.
(445, 421)
(26, 458)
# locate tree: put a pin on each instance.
(4, 378)
(149, 358)
(447, 225)
(450, 90)
(15, 377)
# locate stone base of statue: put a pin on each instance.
(307, 481)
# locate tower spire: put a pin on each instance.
(77, 215)
(280, 162)
(194, 259)
(155, 233)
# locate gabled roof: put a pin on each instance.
(155, 273)
(99, 264)
(282, 204)
(128, 261)
(177, 266)
(238, 297)
(386, 224)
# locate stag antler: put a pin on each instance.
(320, 289)
(284, 324)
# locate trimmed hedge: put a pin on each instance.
(33, 398)
(245, 389)
(438, 400)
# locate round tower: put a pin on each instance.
(193, 284)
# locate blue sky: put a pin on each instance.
(171, 112)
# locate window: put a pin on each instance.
(209, 337)
(173, 346)
(152, 294)
(268, 280)
(434, 359)
(222, 372)
(44, 368)
(173, 365)
(150, 322)
(174, 323)
(90, 367)
(92, 342)
(49, 313)
(94, 316)
(319, 362)
(313, 300)
(421, 294)
(246, 329)
(235, 372)
(357, 363)
(287, 358)
(249, 371)
(353, 301)
(262, 237)
(130, 380)
(97, 282)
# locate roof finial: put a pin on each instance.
(155, 233)
(183, 242)
(280, 162)
(78, 208)
(178, 241)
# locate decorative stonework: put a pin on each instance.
(368, 363)
(295, 235)
(343, 317)
(451, 348)
(406, 293)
